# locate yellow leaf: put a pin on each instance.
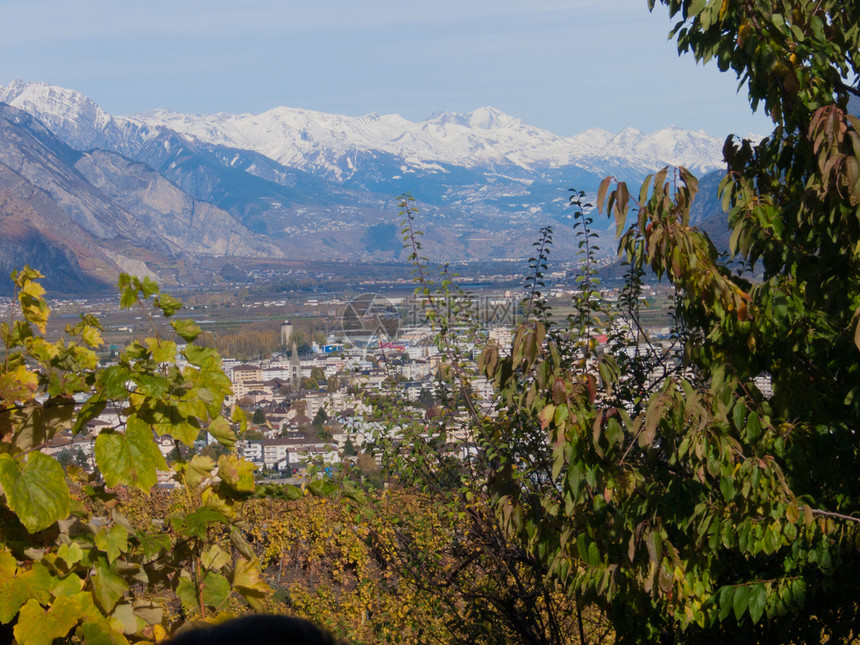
(236, 473)
(248, 580)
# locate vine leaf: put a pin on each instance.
(187, 592)
(37, 626)
(186, 329)
(223, 433)
(248, 581)
(113, 541)
(215, 590)
(15, 590)
(131, 458)
(108, 585)
(18, 384)
(196, 471)
(237, 473)
(36, 493)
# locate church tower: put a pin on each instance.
(295, 365)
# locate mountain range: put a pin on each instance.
(85, 194)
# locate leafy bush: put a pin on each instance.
(73, 563)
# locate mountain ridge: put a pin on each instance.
(306, 185)
(288, 135)
(102, 212)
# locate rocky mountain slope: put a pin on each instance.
(90, 215)
(306, 185)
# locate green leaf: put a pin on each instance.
(108, 585)
(237, 415)
(32, 424)
(153, 385)
(150, 612)
(128, 295)
(757, 602)
(70, 553)
(727, 488)
(186, 329)
(739, 414)
(654, 544)
(36, 493)
(351, 491)
(322, 487)
(237, 539)
(770, 540)
(163, 351)
(113, 541)
(214, 558)
(187, 592)
(165, 419)
(798, 592)
(89, 411)
(753, 427)
(38, 626)
(216, 589)
(292, 492)
(202, 356)
(153, 545)
(24, 424)
(92, 336)
(221, 430)
(124, 614)
(740, 601)
(67, 586)
(111, 382)
(99, 633)
(695, 8)
(197, 523)
(131, 458)
(614, 433)
(725, 603)
(168, 304)
(149, 287)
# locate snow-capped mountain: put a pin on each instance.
(324, 186)
(318, 141)
(73, 117)
(484, 137)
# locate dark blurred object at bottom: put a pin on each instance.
(255, 630)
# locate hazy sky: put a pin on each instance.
(560, 65)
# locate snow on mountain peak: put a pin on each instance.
(488, 117)
(55, 106)
(316, 140)
(309, 139)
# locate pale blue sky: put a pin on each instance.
(560, 65)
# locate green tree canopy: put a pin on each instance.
(712, 494)
(723, 501)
